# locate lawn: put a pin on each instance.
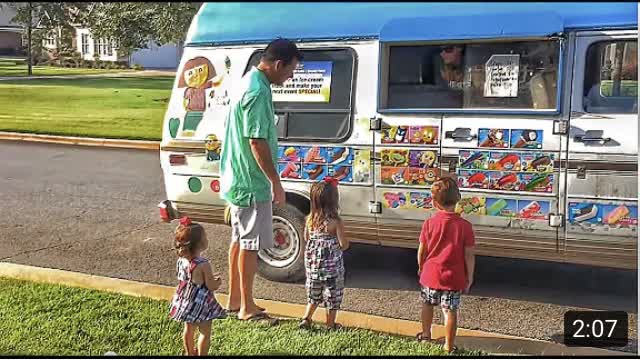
(44, 319)
(125, 108)
(18, 68)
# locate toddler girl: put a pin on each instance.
(324, 265)
(194, 302)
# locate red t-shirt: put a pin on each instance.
(445, 235)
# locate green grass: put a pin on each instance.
(125, 108)
(43, 319)
(18, 68)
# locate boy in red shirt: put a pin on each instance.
(445, 260)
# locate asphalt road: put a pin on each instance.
(93, 210)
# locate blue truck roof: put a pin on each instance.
(244, 23)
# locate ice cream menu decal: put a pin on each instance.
(311, 82)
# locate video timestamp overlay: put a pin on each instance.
(596, 328)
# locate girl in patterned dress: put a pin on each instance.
(194, 302)
(324, 265)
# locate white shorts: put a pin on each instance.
(252, 226)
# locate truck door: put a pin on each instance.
(504, 151)
(602, 183)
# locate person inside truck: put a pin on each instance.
(449, 76)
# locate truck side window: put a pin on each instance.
(316, 105)
(611, 78)
(518, 75)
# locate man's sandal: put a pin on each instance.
(262, 317)
(335, 327)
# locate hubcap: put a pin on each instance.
(286, 244)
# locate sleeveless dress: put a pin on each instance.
(192, 302)
(324, 267)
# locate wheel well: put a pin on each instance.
(300, 202)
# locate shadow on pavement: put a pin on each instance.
(373, 267)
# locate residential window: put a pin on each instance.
(316, 105)
(50, 41)
(97, 46)
(85, 44)
(611, 77)
(109, 48)
(500, 75)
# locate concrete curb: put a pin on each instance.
(471, 339)
(70, 140)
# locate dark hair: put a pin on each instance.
(283, 50)
(188, 238)
(325, 203)
(445, 192)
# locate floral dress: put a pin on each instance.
(192, 302)
(324, 266)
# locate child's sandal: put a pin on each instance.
(305, 324)
(421, 338)
(453, 350)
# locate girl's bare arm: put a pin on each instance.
(342, 238)
(212, 282)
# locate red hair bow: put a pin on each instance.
(331, 180)
(185, 221)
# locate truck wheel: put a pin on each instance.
(285, 261)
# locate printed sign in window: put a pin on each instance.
(501, 73)
(311, 82)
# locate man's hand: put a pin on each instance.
(279, 197)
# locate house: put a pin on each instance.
(162, 57)
(10, 34)
(166, 56)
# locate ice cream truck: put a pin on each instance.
(533, 107)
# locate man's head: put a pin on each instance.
(279, 60)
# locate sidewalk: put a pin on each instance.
(84, 76)
(471, 339)
(70, 140)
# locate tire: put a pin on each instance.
(285, 262)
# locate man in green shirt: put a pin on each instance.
(249, 179)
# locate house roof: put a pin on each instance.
(236, 23)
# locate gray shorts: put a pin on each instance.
(252, 226)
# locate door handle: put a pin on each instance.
(592, 136)
(460, 134)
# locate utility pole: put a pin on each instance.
(29, 56)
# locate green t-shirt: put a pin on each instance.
(250, 115)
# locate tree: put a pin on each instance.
(131, 26)
(45, 17)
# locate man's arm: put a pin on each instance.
(262, 154)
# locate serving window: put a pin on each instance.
(521, 75)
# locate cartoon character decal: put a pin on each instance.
(197, 76)
(213, 148)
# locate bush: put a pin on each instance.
(88, 64)
(123, 67)
(137, 67)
